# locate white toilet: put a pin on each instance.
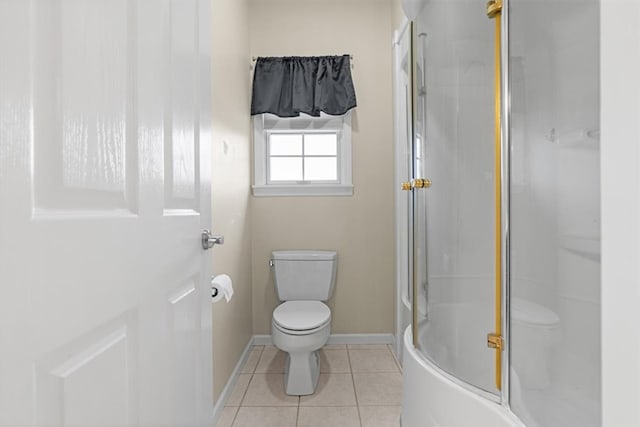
(534, 333)
(302, 323)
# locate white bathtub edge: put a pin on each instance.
(431, 400)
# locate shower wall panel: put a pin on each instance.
(555, 209)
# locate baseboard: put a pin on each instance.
(262, 340)
(339, 339)
(233, 379)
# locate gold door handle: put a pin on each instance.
(420, 183)
(416, 183)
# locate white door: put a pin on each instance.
(104, 190)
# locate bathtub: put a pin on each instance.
(431, 398)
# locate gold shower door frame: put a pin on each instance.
(495, 339)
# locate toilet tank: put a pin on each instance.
(304, 275)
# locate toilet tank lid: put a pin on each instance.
(304, 255)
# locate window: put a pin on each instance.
(302, 156)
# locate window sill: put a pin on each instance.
(302, 190)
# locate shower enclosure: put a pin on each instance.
(505, 206)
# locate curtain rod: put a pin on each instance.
(255, 58)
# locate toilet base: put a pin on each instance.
(303, 362)
(301, 373)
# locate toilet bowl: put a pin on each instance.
(302, 323)
(300, 328)
(534, 332)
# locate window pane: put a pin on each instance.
(285, 144)
(285, 169)
(321, 169)
(321, 144)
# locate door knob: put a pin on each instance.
(416, 183)
(420, 183)
(208, 240)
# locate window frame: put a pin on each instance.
(267, 124)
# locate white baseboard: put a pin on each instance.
(262, 340)
(233, 379)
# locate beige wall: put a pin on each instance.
(360, 228)
(231, 183)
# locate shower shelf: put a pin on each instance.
(578, 138)
(585, 246)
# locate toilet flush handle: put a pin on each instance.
(271, 263)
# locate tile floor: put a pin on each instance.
(359, 386)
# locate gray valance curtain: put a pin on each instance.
(292, 85)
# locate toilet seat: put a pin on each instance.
(301, 317)
(533, 315)
(301, 333)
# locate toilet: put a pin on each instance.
(534, 333)
(302, 322)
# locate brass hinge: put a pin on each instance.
(494, 7)
(495, 341)
(406, 186)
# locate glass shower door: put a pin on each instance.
(555, 212)
(453, 193)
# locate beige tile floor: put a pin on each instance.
(359, 386)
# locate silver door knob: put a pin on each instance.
(208, 240)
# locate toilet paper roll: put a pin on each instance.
(221, 287)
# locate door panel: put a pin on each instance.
(454, 231)
(84, 105)
(181, 155)
(105, 317)
(183, 316)
(69, 388)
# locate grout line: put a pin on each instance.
(260, 352)
(235, 415)
(355, 392)
(379, 405)
(246, 390)
(395, 359)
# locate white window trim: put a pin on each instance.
(261, 188)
